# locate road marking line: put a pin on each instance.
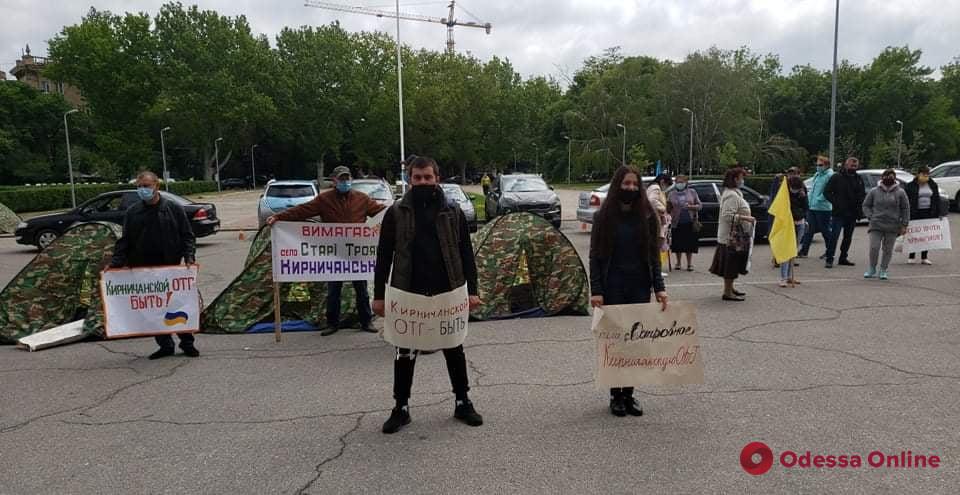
(820, 281)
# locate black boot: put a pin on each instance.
(467, 414)
(631, 406)
(189, 350)
(399, 417)
(162, 353)
(617, 406)
(332, 328)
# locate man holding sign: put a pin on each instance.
(433, 285)
(340, 205)
(156, 232)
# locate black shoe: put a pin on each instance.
(368, 327)
(801, 255)
(846, 262)
(399, 417)
(162, 353)
(632, 406)
(733, 298)
(190, 350)
(738, 293)
(331, 329)
(467, 414)
(828, 264)
(617, 407)
(823, 256)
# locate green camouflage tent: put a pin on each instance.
(526, 267)
(60, 284)
(248, 300)
(8, 220)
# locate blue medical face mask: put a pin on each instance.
(344, 186)
(145, 193)
(681, 186)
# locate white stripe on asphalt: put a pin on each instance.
(816, 281)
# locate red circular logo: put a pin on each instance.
(751, 450)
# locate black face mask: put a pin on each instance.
(423, 193)
(628, 196)
(889, 181)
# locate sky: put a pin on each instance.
(553, 37)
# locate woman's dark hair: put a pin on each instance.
(923, 170)
(611, 211)
(730, 179)
(422, 162)
(889, 171)
(664, 180)
(795, 182)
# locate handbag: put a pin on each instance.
(739, 238)
(697, 225)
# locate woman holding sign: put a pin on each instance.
(625, 259)
(924, 196)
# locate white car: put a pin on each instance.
(590, 201)
(947, 176)
(282, 194)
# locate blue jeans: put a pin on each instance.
(786, 268)
(363, 302)
(820, 221)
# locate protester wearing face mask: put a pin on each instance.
(820, 215)
(156, 232)
(733, 240)
(924, 195)
(685, 208)
(342, 204)
(798, 210)
(625, 259)
(888, 209)
(772, 195)
(846, 192)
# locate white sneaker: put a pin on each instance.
(926, 262)
(911, 261)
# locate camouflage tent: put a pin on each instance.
(60, 284)
(248, 300)
(528, 268)
(8, 220)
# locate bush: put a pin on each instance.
(45, 198)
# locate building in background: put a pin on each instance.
(29, 70)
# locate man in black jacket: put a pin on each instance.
(846, 193)
(156, 232)
(426, 242)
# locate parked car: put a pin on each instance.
(282, 194)
(947, 176)
(455, 194)
(110, 207)
(590, 201)
(233, 183)
(709, 192)
(523, 192)
(378, 189)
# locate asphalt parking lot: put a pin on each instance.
(836, 366)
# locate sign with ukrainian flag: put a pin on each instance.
(150, 301)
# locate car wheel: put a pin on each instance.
(46, 238)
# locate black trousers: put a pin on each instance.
(363, 302)
(626, 288)
(847, 225)
(923, 214)
(406, 361)
(166, 341)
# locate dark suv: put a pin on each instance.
(523, 192)
(110, 207)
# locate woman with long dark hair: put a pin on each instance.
(625, 259)
(733, 242)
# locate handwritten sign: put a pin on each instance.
(638, 344)
(426, 323)
(927, 235)
(150, 301)
(324, 252)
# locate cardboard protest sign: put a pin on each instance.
(324, 252)
(426, 323)
(927, 235)
(638, 344)
(150, 301)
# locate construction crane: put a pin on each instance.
(450, 21)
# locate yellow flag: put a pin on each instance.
(783, 236)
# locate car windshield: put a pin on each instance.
(289, 191)
(524, 184)
(376, 190)
(454, 193)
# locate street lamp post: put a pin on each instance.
(536, 159)
(899, 142)
(253, 165)
(623, 154)
(833, 94)
(216, 156)
(690, 164)
(66, 132)
(403, 152)
(163, 152)
(569, 142)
